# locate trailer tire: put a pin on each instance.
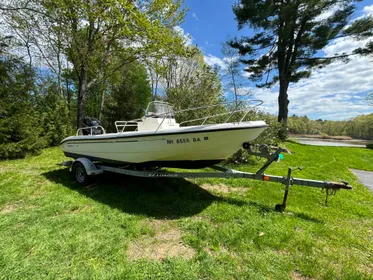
(80, 174)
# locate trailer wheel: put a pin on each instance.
(80, 174)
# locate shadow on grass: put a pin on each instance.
(162, 198)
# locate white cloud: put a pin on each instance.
(212, 60)
(230, 59)
(195, 16)
(246, 74)
(208, 44)
(368, 10)
(344, 45)
(328, 13)
(243, 91)
(334, 92)
(188, 39)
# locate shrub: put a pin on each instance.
(273, 135)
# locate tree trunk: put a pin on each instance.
(83, 78)
(235, 88)
(100, 115)
(82, 94)
(68, 96)
(283, 101)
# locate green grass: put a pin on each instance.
(52, 228)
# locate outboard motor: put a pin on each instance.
(94, 123)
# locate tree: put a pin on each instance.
(53, 114)
(189, 82)
(129, 95)
(93, 32)
(20, 131)
(232, 72)
(156, 68)
(369, 98)
(289, 34)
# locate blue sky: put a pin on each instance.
(334, 92)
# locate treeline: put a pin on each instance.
(54, 71)
(360, 127)
(32, 114)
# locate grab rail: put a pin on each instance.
(124, 124)
(231, 113)
(249, 104)
(90, 128)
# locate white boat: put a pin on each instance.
(158, 140)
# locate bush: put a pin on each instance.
(21, 149)
(370, 146)
(271, 136)
(53, 113)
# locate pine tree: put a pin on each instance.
(289, 34)
(20, 129)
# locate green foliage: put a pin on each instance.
(370, 146)
(129, 96)
(192, 83)
(20, 129)
(92, 35)
(272, 135)
(303, 125)
(32, 113)
(53, 113)
(358, 127)
(145, 28)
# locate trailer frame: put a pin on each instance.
(84, 169)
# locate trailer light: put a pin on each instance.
(265, 178)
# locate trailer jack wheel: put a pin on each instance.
(280, 207)
(288, 182)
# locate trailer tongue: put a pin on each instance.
(84, 168)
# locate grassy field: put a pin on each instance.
(131, 228)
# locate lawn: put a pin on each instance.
(131, 228)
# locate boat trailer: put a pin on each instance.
(83, 169)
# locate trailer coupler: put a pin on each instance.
(264, 151)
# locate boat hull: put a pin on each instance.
(198, 146)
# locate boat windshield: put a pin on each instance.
(159, 109)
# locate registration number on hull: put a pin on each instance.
(187, 140)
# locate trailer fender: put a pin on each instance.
(89, 166)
